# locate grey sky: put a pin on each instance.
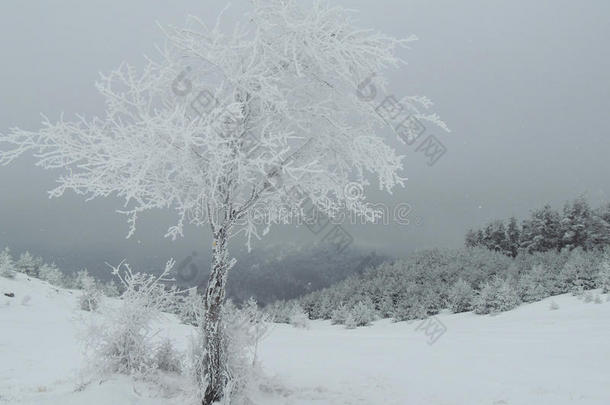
(524, 86)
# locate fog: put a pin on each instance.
(523, 86)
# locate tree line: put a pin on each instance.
(576, 226)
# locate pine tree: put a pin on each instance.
(513, 236)
(542, 231)
(598, 231)
(471, 240)
(28, 264)
(51, 274)
(495, 237)
(7, 267)
(576, 216)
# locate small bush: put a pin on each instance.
(167, 358)
(89, 299)
(123, 342)
(82, 280)
(553, 306)
(603, 277)
(298, 317)
(339, 315)
(189, 307)
(110, 289)
(363, 313)
(350, 322)
(460, 297)
(532, 285)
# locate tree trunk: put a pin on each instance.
(215, 356)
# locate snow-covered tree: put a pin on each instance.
(496, 296)
(190, 306)
(363, 313)
(579, 273)
(28, 264)
(495, 237)
(534, 284)
(298, 317)
(83, 280)
(603, 278)
(234, 129)
(542, 231)
(90, 297)
(598, 231)
(339, 315)
(167, 357)
(7, 267)
(51, 274)
(513, 236)
(460, 297)
(576, 216)
(110, 289)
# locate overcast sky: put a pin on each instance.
(523, 85)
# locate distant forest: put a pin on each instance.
(577, 225)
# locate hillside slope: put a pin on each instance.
(530, 355)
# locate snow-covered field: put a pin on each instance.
(531, 355)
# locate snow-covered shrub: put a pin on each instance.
(279, 311)
(411, 305)
(243, 329)
(189, 306)
(110, 289)
(298, 317)
(7, 267)
(90, 298)
(28, 264)
(588, 297)
(339, 315)
(350, 322)
(123, 342)
(603, 277)
(460, 297)
(597, 299)
(533, 285)
(363, 313)
(553, 306)
(82, 280)
(51, 274)
(496, 296)
(167, 358)
(578, 273)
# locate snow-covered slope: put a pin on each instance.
(531, 355)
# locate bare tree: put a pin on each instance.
(234, 130)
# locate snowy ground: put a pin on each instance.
(530, 355)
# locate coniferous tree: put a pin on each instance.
(513, 235)
(7, 267)
(576, 216)
(28, 264)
